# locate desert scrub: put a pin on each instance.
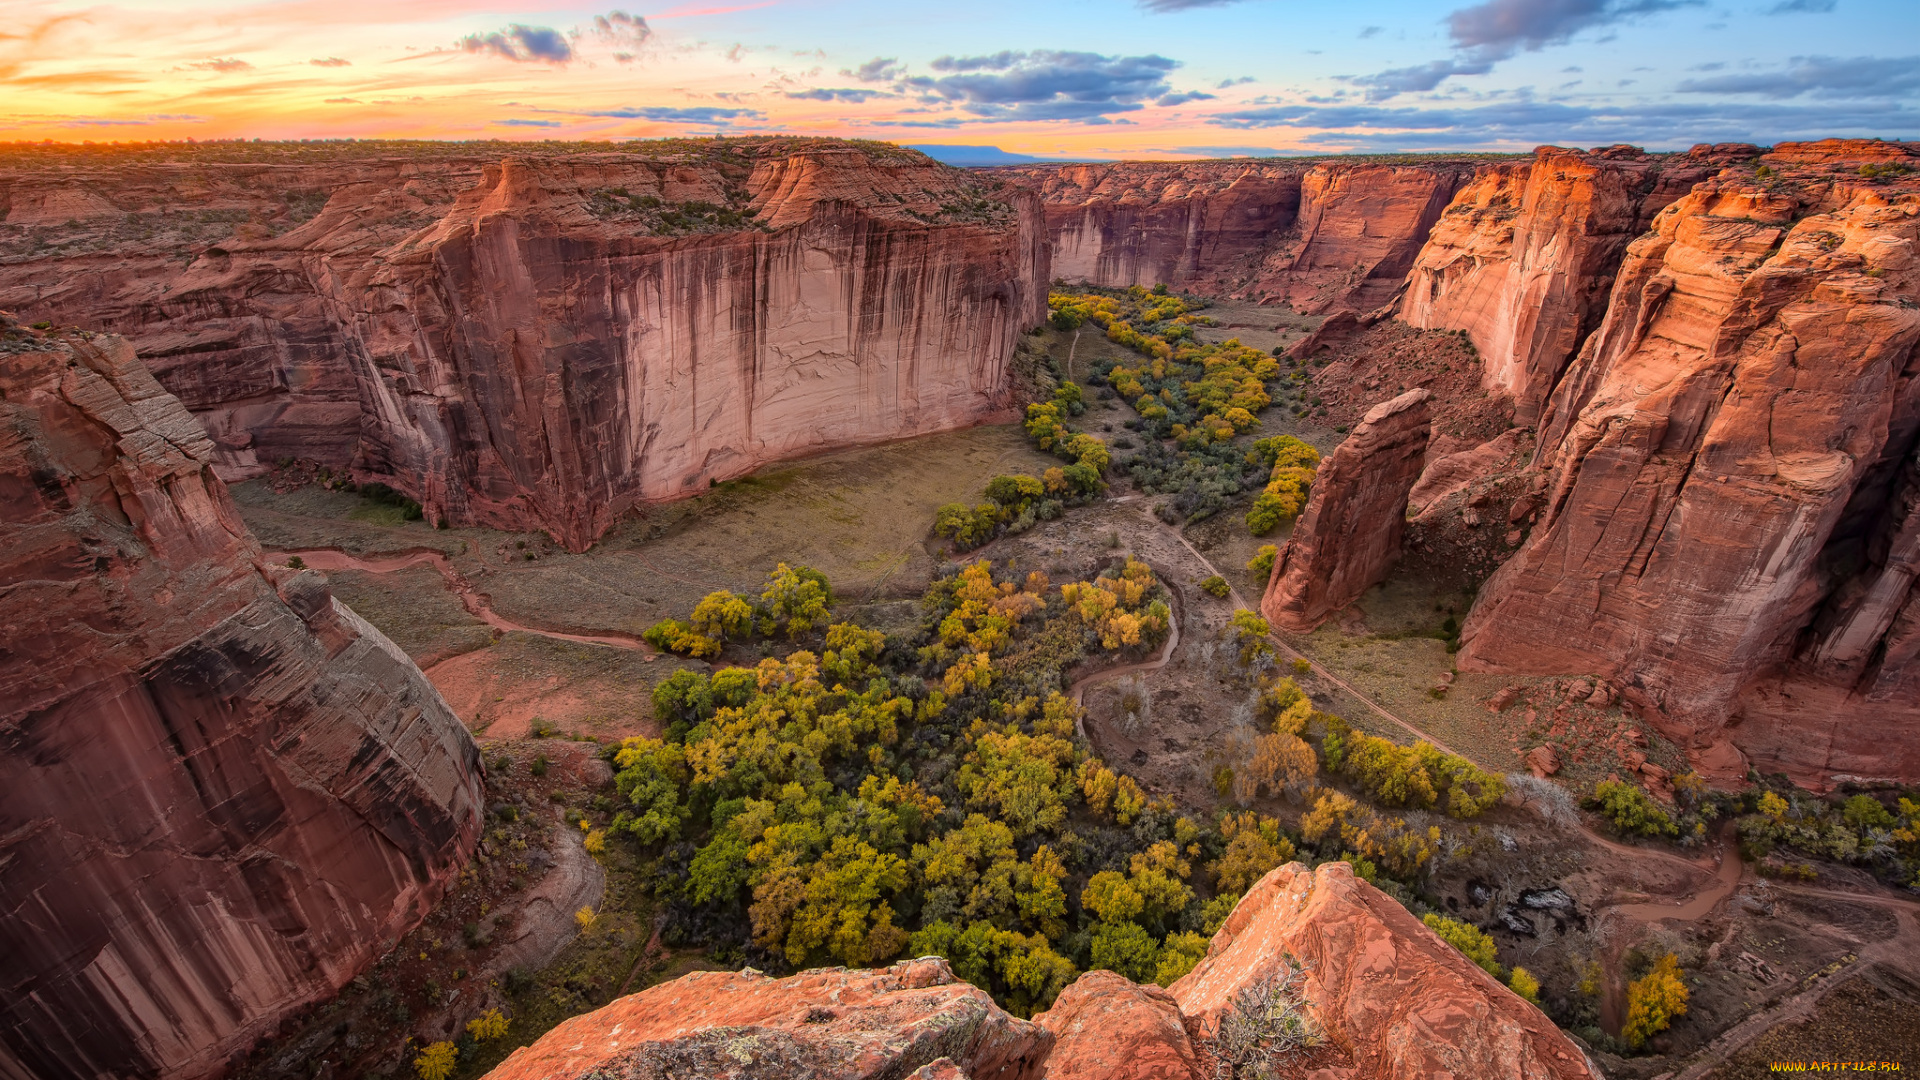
(1414, 776)
(1266, 1024)
(1629, 810)
(1216, 586)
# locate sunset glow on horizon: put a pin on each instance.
(1157, 78)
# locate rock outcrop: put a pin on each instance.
(1319, 235)
(1392, 999)
(1387, 992)
(1727, 533)
(543, 341)
(1180, 224)
(913, 1018)
(1349, 535)
(1525, 256)
(222, 793)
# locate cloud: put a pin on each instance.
(1182, 5)
(834, 94)
(1417, 79)
(1523, 124)
(1227, 84)
(517, 122)
(1224, 151)
(1822, 77)
(1499, 28)
(1802, 7)
(342, 101)
(664, 115)
(1046, 84)
(524, 44)
(621, 30)
(1169, 100)
(1372, 31)
(331, 61)
(222, 64)
(878, 69)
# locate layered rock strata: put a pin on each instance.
(222, 793)
(1729, 513)
(541, 342)
(1349, 535)
(912, 1019)
(1524, 257)
(1390, 998)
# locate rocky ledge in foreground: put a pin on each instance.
(1387, 996)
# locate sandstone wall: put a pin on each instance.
(1349, 535)
(544, 348)
(1525, 256)
(1727, 529)
(1186, 224)
(222, 793)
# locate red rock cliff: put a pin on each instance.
(1729, 525)
(1525, 256)
(568, 335)
(222, 793)
(1348, 536)
(1391, 999)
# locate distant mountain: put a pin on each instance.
(965, 156)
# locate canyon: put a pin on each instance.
(223, 793)
(543, 341)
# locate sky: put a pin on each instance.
(1053, 78)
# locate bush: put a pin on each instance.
(1630, 811)
(436, 1062)
(1524, 984)
(1216, 586)
(1262, 563)
(1250, 633)
(1654, 1001)
(491, 1024)
(1470, 940)
(1415, 776)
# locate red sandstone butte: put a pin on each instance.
(1349, 535)
(1728, 528)
(545, 340)
(222, 793)
(1387, 992)
(824, 1024)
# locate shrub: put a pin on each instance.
(539, 766)
(1250, 633)
(295, 562)
(1865, 812)
(436, 1062)
(491, 1024)
(1216, 586)
(1523, 983)
(584, 918)
(1262, 563)
(1266, 1022)
(1470, 940)
(1654, 1001)
(1630, 811)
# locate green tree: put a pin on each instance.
(1469, 939)
(797, 598)
(1127, 949)
(652, 776)
(1630, 810)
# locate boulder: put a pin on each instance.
(1397, 1000)
(1543, 761)
(1349, 535)
(913, 1018)
(1108, 1027)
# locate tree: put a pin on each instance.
(1470, 940)
(1632, 812)
(491, 1024)
(796, 597)
(1179, 954)
(436, 1061)
(1524, 984)
(721, 615)
(1127, 949)
(1654, 1001)
(652, 775)
(1254, 847)
(1262, 562)
(1281, 762)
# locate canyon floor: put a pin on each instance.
(530, 643)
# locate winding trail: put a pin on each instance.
(475, 602)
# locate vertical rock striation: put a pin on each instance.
(1728, 529)
(541, 342)
(1349, 535)
(221, 792)
(1525, 256)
